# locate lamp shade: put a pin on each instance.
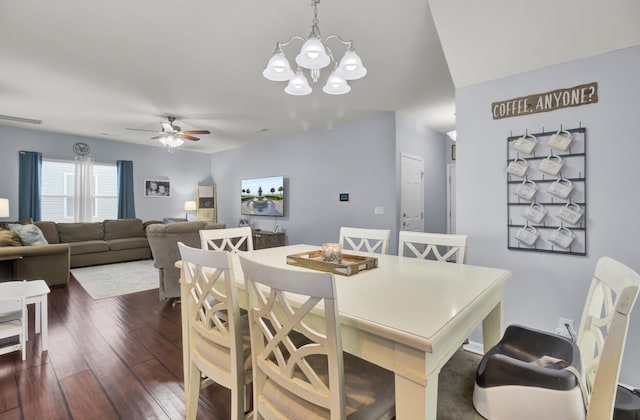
(336, 85)
(298, 85)
(4, 207)
(313, 55)
(351, 67)
(278, 69)
(189, 205)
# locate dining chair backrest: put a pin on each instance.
(13, 320)
(442, 247)
(367, 240)
(603, 330)
(273, 318)
(214, 325)
(299, 367)
(230, 239)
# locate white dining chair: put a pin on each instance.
(312, 379)
(368, 240)
(13, 316)
(231, 239)
(442, 247)
(217, 346)
(532, 374)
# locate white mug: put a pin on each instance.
(551, 165)
(570, 213)
(562, 237)
(525, 144)
(561, 188)
(527, 189)
(535, 212)
(518, 167)
(560, 142)
(527, 235)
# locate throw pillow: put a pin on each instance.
(29, 234)
(9, 238)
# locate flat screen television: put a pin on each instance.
(263, 196)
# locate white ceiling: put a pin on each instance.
(97, 68)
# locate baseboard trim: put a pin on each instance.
(474, 347)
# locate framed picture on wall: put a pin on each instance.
(157, 188)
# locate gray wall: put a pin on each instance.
(355, 158)
(184, 169)
(544, 287)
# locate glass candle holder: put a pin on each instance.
(332, 253)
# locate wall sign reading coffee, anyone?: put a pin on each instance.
(545, 102)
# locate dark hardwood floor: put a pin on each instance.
(116, 358)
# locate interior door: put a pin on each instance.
(412, 192)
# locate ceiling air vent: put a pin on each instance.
(18, 119)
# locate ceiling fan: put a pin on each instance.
(170, 132)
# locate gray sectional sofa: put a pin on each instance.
(72, 245)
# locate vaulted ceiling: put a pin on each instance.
(97, 68)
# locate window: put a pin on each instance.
(58, 181)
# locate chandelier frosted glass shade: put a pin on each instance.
(336, 85)
(313, 55)
(278, 69)
(298, 85)
(171, 141)
(350, 67)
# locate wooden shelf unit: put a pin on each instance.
(206, 203)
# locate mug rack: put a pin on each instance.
(552, 220)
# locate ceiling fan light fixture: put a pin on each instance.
(171, 141)
(298, 85)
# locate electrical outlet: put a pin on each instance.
(563, 324)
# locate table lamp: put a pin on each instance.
(4, 207)
(189, 206)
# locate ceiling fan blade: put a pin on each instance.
(139, 129)
(158, 137)
(186, 137)
(197, 132)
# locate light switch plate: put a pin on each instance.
(378, 210)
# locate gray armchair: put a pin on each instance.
(163, 240)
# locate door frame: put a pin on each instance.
(450, 197)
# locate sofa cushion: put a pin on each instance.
(9, 238)
(76, 232)
(167, 220)
(29, 234)
(127, 243)
(123, 228)
(88, 247)
(50, 231)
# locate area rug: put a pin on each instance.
(104, 281)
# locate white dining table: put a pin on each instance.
(409, 316)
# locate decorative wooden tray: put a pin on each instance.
(351, 264)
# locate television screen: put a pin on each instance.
(263, 196)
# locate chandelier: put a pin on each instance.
(314, 56)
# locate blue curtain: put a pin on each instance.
(126, 205)
(29, 185)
